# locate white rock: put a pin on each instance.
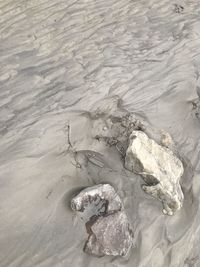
(160, 169)
(97, 199)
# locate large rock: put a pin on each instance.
(159, 167)
(106, 222)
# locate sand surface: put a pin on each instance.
(59, 58)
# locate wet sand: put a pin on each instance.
(58, 60)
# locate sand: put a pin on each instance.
(58, 59)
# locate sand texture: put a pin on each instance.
(61, 63)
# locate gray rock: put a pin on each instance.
(105, 219)
(160, 169)
(97, 200)
(110, 235)
(196, 108)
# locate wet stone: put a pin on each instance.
(105, 219)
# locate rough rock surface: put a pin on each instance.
(160, 169)
(111, 235)
(105, 219)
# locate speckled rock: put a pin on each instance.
(110, 235)
(160, 169)
(105, 219)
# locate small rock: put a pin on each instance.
(196, 108)
(166, 139)
(110, 235)
(105, 219)
(97, 196)
(160, 169)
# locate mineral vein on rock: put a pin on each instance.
(105, 219)
(159, 167)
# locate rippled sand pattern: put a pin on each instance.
(62, 56)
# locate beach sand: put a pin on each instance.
(58, 59)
